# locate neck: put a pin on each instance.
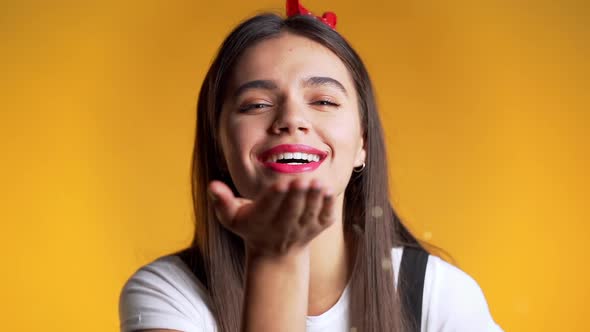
(330, 265)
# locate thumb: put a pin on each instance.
(224, 202)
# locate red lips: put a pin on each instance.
(287, 168)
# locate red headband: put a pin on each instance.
(295, 8)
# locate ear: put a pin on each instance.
(361, 155)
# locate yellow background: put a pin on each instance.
(485, 105)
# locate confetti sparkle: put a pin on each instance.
(377, 212)
(357, 228)
(386, 264)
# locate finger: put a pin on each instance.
(313, 203)
(326, 215)
(268, 204)
(224, 202)
(292, 206)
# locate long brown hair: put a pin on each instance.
(216, 255)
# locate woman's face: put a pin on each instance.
(291, 110)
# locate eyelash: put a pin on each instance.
(323, 102)
(252, 106)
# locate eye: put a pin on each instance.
(326, 102)
(253, 107)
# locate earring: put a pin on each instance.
(359, 169)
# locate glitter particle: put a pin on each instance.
(427, 235)
(386, 264)
(377, 212)
(357, 228)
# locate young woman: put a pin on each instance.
(294, 228)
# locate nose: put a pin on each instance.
(290, 119)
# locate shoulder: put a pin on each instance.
(164, 294)
(453, 300)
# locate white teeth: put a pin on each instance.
(293, 155)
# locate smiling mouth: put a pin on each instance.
(292, 158)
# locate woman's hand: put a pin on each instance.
(285, 217)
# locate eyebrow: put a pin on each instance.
(270, 85)
(324, 81)
(257, 84)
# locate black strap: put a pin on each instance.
(411, 283)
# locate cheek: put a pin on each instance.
(239, 140)
(345, 134)
(233, 144)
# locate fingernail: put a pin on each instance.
(315, 183)
(315, 188)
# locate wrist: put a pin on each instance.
(294, 259)
(291, 253)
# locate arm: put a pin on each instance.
(277, 228)
(276, 293)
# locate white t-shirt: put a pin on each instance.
(165, 294)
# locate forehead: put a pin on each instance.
(289, 58)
